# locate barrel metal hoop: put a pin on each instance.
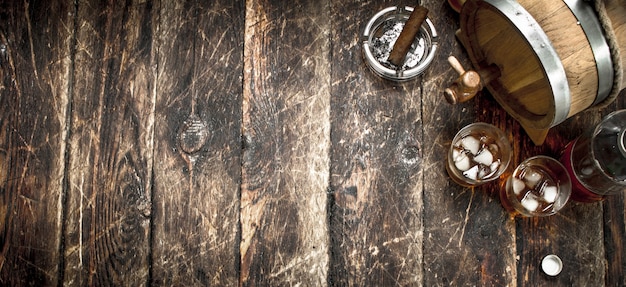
(590, 24)
(545, 51)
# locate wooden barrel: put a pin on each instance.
(552, 58)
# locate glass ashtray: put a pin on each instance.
(381, 33)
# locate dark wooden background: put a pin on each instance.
(232, 142)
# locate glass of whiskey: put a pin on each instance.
(539, 186)
(479, 153)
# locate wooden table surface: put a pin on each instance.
(232, 142)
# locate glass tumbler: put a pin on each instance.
(479, 153)
(539, 186)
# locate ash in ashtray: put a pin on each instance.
(382, 45)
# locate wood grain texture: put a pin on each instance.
(286, 121)
(614, 234)
(108, 202)
(573, 234)
(35, 41)
(246, 143)
(197, 140)
(567, 234)
(468, 237)
(570, 43)
(376, 179)
(615, 225)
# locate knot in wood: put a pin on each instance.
(410, 155)
(192, 135)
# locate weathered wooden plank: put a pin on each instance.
(571, 234)
(469, 239)
(108, 201)
(197, 168)
(286, 144)
(614, 236)
(573, 229)
(157, 98)
(578, 233)
(35, 41)
(615, 227)
(575, 234)
(377, 159)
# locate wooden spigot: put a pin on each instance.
(465, 87)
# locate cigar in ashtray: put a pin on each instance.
(399, 43)
(407, 36)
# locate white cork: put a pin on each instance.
(552, 265)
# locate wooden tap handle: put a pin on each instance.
(456, 65)
(465, 87)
